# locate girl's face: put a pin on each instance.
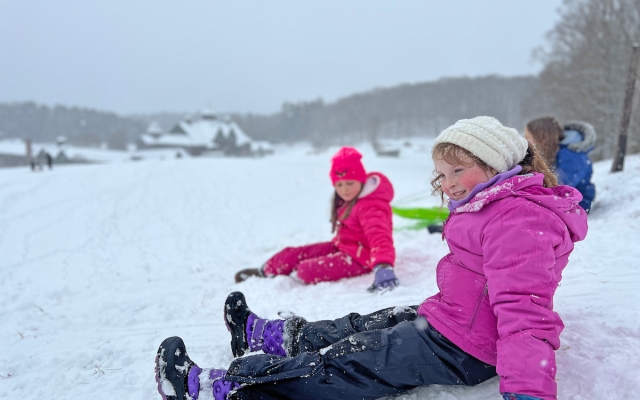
(458, 180)
(348, 189)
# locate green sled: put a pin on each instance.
(425, 216)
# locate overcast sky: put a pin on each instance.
(250, 56)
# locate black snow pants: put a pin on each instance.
(359, 357)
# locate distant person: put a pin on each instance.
(361, 219)
(49, 160)
(566, 150)
(510, 233)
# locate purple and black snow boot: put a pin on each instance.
(173, 367)
(179, 378)
(220, 387)
(252, 333)
(205, 381)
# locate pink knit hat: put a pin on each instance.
(346, 165)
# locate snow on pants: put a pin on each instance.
(359, 357)
(320, 262)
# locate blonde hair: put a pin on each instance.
(454, 154)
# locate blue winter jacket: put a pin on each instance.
(573, 166)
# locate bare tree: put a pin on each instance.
(585, 68)
(618, 161)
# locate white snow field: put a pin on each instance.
(100, 263)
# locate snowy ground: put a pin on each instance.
(99, 263)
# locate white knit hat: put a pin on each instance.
(485, 137)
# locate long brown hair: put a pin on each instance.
(547, 133)
(533, 162)
(454, 154)
(336, 205)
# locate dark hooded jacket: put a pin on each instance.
(573, 166)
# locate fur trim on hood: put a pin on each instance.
(589, 136)
(378, 187)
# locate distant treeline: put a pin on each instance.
(422, 109)
(407, 110)
(80, 126)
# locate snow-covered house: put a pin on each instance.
(207, 135)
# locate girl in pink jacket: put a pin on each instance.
(361, 221)
(510, 232)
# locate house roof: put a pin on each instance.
(198, 133)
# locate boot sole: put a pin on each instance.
(235, 314)
(164, 357)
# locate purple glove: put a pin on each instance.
(384, 279)
(516, 396)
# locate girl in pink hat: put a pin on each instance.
(361, 221)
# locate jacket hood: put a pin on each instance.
(561, 200)
(377, 187)
(589, 136)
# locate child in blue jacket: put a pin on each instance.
(566, 150)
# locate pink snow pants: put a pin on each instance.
(320, 262)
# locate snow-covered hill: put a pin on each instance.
(99, 263)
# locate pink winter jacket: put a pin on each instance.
(508, 246)
(366, 234)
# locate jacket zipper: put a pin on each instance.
(444, 224)
(474, 316)
(359, 249)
